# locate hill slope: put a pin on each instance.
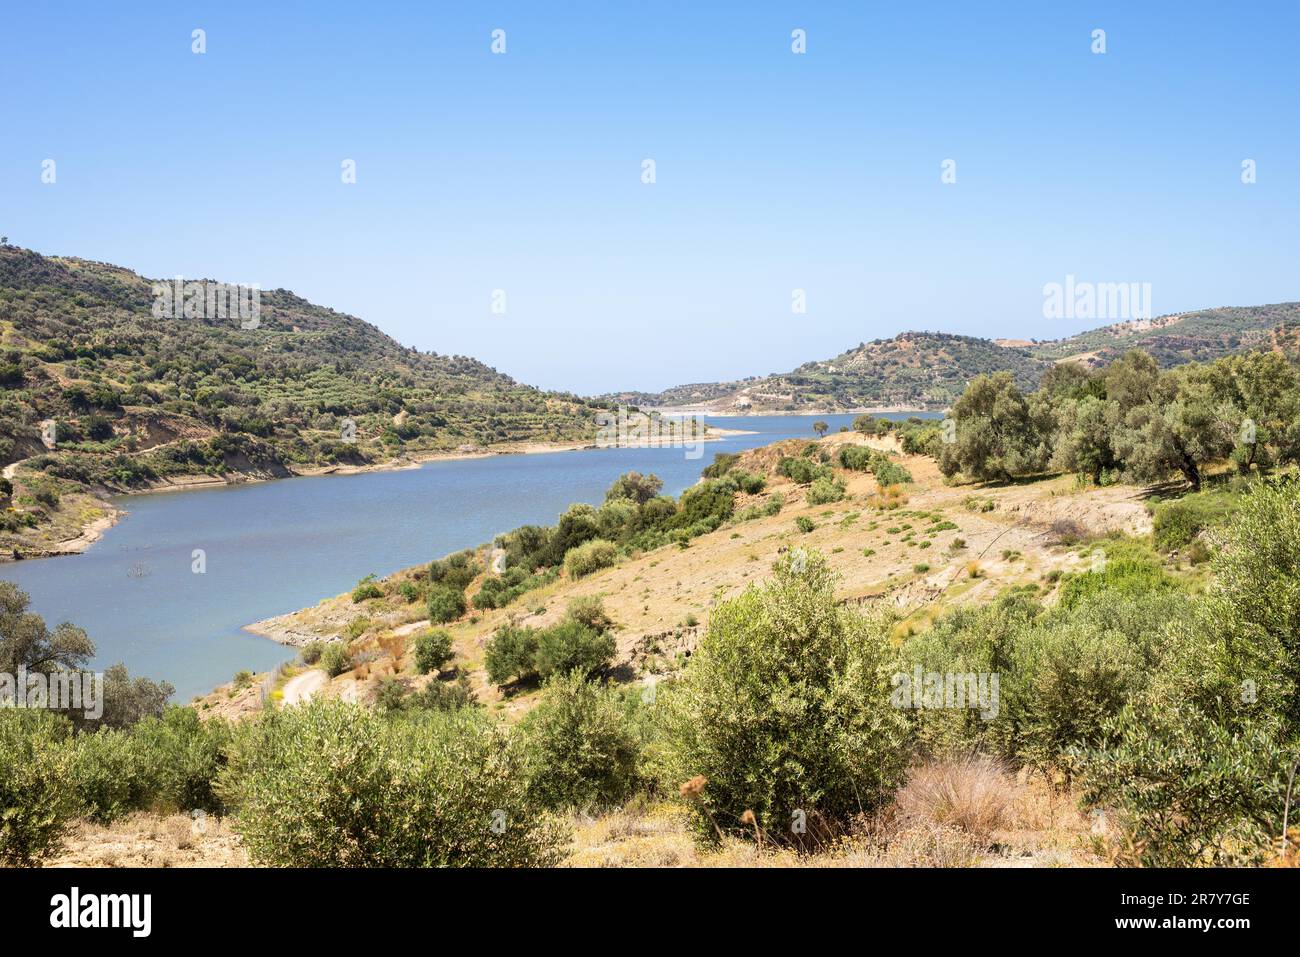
(928, 370)
(913, 370)
(1184, 337)
(137, 399)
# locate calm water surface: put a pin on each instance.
(278, 546)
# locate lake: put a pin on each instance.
(275, 547)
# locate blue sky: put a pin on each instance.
(775, 171)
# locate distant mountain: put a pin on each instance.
(137, 394)
(914, 370)
(928, 370)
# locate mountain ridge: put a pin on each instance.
(925, 370)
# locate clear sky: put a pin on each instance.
(775, 171)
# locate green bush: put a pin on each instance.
(337, 785)
(184, 755)
(110, 778)
(581, 745)
(1176, 524)
(442, 696)
(856, 458)
(785, 711)
(366, 589)
(445, 604)
(311, 652)
(432, 650)
(511, 652)
(589, 557)
(454, 572)
(590, 611)
(1129, 568)
(1198, 761)
(889, 472)
(801, 470)
(804, 524)
(823, 491)
(572, 645)
(38, 791)
(336, 658)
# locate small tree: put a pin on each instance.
(581, 745)
(432, 650)
(445, 604)
(38, 795)
(785, 711)
(820, 427)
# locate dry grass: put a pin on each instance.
(153, 840)
(973, 794)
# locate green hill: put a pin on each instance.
(928, 370)
(137, 399)
(1186, 337)
(914, 370)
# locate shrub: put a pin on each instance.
(38, 794)
(337, 785)
(801, 470)
(888, 472)
(1198, 761)
(311, 652)
(581, 745)
(454, 572)
(706, 506)
(441, 696)
(804, 524)
(511, 653)
(445, 604)
(785, 709)
(823, 491)
(366, 589)
(589, 557)
(635, 487)
(722, 463)
(1176, 524)
(571, 645)
(184, 755)
(336, 658)
(110, 780)
(857, 458)
(432, 650)
(1130, 568)
(590, 611)
(751, 483)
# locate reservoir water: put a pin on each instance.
(274, 547)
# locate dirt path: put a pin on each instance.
(299, 690)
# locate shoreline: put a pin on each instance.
(92, 531)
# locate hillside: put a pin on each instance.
(1186, 337)
(927, 370)
(913, 370)
(139, 400)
